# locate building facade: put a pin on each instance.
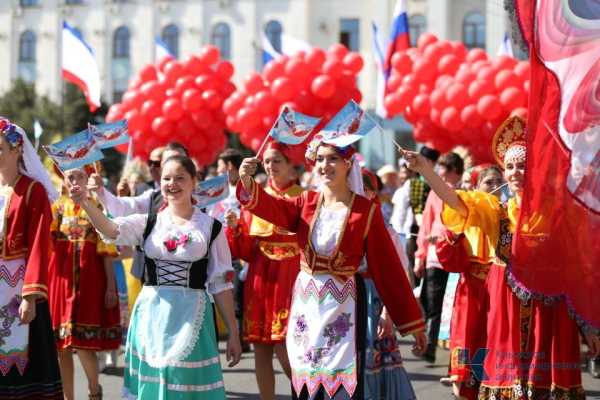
(122, 32)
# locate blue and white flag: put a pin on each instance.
(292, 127)
(110, 134)
(161, 50)
(505, 48)
(349, 125)
(75, 151)
(289, 47)
(211, 191)
(378, 46)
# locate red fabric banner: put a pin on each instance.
(557, 244)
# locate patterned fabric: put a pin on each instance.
(419, 190)
(511, 133)
(13, 334)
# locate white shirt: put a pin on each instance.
(198, 228)
(402, 215)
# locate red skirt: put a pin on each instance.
(468, 328)
(533, 349)
(76, 296)
(267, 298)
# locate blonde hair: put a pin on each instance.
(136, 171)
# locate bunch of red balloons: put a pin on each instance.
(178, 101)
(454, 96)
(317, 83)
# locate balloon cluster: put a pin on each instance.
(454, 96)
(316, 83)
(178, 101)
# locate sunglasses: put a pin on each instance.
(153, 164)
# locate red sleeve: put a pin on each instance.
(451, 252)
(282, 212)
(425, 229)
(390, 279)
(38, 242)
(241, 244)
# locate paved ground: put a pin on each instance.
(240, 382)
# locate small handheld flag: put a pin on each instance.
(349, 125)
(110, 134)
(211, 191)
(291, 128)
(75, 151)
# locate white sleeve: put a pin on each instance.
(401, 205)
(121, 206)
(220, 271)
(131, 230)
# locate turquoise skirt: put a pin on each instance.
(171, 350)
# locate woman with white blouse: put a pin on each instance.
(171, 347)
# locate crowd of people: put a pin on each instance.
(322, 269)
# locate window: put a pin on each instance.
(349, 30)
(121, 43)
(221, 37)
(170, 36)
(474, 30)
(27, 46)
(73, 2)
(28, 3)
(273, 32)
(417, 24)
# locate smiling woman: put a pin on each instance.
(186, 256)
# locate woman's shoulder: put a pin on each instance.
(31, 189)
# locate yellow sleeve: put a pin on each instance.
(105, 249)
(480, 226)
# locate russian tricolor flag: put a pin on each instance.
(161, 50)
(289, 46)
(505, 48)
(399, 37)
(79, 66)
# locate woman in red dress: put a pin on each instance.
(274, 262)
(83, 297)
(469, 312)
(532, 348)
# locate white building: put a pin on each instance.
(122, 32)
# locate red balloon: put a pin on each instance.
(172, 109)
(478, 89)
(206, 82)
(323, 86)
(448, 64)
(202, 118)
(233, 104)
(315, 58)
(192, 100)
(162, 127)
(504, 62)
(247, 118)
(135, 121)
(438, 99)
(224, 70)
(526, 86)
(209, 54)
(459, 50)
(478, 65)
(148, 73)
(264, 101)
(435, 117)
(505, 79)
(512, 98)
(489, 107)
(227, 89)
(333, 68)
(409, 115)
(424, 69)
(393, 104)
(456, 95)
(150, 110)
(282, 89)
(394, 82)
(407, 92)
(354, 62)
(273, 70)
(253, 83)
(212, 99)
(184, 83)
(131, 99)
(476, 55)
(185, 128)
(173, 71)
(470, 117)
(435, 52)
(338, 51)
(298, 69)
(162, 63)
(465, 76)
(115, 113)
(426, 39)
(450, 119)
(442, 82)
(522, 70)
(420, 105)
(134, 84)
(347, 80)
(486, 74)
(402, 63)
(194, 65)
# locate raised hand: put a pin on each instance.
(247, 171)
(95, 184)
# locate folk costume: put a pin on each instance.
(171, 347)
(28, 358)
(274, 262)
(78, 283)
(325, 338)
(533, 347)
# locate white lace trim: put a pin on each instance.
(183, 364)
(161, 362)
(176, 387)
